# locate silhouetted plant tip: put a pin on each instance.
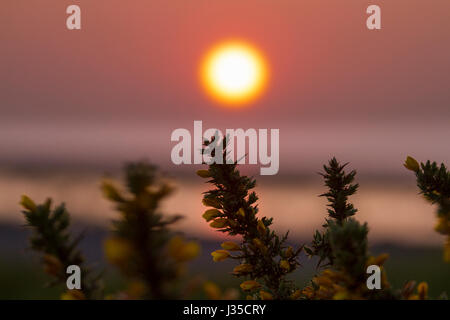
(52, 238)
(433, 181)
(264, 257)
(143, 247)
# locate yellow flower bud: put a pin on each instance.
(308, 292)
(447, 250)
(52, 265)
(295, 295)
(243, 268)
(219, 223)
(73, 295)
(265, 295)
(261, 227)
(220, 255)
(257, 242)
(249, 285)
(204, 173)
(182, 251)
(117, 250)
(212, 291)
(411, 164)
(260, 245)
(443, 226)
(211, 214)
(231, 246)
(289, 252)
(241, 212)
(27, 203)
(422, 290)
(341, 295)
(284, 264)
(211, 203)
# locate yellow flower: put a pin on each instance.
(241, 212)
(341, 295)
(257, 242)
(117, 250)
(249, 297)
(422, 290)
(260, 245)
(447, 250)
(295, 295)
(73, 295)
(231, 246)
(411, 164)
(308, 292)
(220, 255)
(52, 265)
(211, 214)
(323, 281)
(212, 291)
(284, 264)
(261, 227)
(219, 223)
(289, 252)
(27, 203)
(265, 295)
(182, 251)
(243, 268)
(249, 285)
(443, 226)
(211, 203)
(204, 173)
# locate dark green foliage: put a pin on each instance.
(348, 241)
(261, 247)
(51, 237)
(144, 228)
(340, 187)
(434, 183)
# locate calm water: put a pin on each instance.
(394, 211)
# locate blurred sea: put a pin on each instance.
(393, 209)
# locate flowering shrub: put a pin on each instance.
(264, 258)
(434, 184)
(148, 254)
(51, 238)
(152, 257)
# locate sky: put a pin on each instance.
(116, 89)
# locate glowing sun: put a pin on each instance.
(234, 73)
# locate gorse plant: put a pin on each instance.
(342, 246)
(264, 257)
(149, 255)
(152, 257)
(143, 247)
(434, 184)
(51, 238)
(340, 187)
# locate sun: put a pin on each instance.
(234, 73)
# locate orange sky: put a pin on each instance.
(134, 65)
